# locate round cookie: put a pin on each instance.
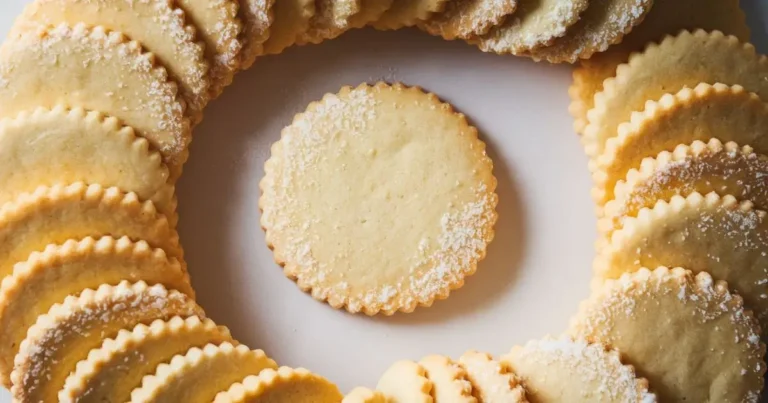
(370, 11)
(364, 395)
(553, 370)
(406, 382)
(705, 112)
(112, 371)
(114, 76)
(712, 234)
(534, 24)
(668, 322)
(465, 19)
(158, 25)
(407, 13)
(48, 277)
(682, 61)
(98, 150)
(449, 380)
(394, 160)
(491, 380)
(667, 17)
(258, 16)
(64, 336)
(201, 374)
(603, 23)
(291, 19)
(332, 18)
(282, 385)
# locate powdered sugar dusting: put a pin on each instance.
(468, 18)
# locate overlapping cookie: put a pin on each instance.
(282, 385)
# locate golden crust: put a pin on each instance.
(282, 385)
(465, 19)
(257, 17)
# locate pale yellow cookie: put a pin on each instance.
(158, 25)
(292, 18)
(59, 146)
(726, 169)
(604, 23)
(200, 374)
(574, 370)
(465, 19)
(449, 380)
(534, 24)
(332, 18)
(97, 70)
(407, 13)
(713, 234)
(258, 16)
(282, 386)
(64, 336)
(394, 160)
(492, 381)
(365, 395)
(705, 112)
(57, 214)
(48, 277)
(677, 62)
(690, 337)
(406, 382)
(220, 27)
(113, 370)
(667, 17)
(370, 10)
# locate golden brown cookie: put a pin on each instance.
(291, 19)
(364, 395)
(332, 18)
(492, 381)
(465, 19)
(282, 385)
(258, 17)
(370, 11)
(406, 382)
(449, 380)
(407, 13)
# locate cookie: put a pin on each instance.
(98, 149)
(407, 13)
(257, 16)
(667, 17)
(491, 380)
(602, 24)
(113, 75)
(449, 380)
(282, 385)
(364, 395)
(159, 26)
(713, 234)
(406, 382)
(112, 371)
(465, 19)
(534, 24)
(48, 277)
(57, 214)
(688, 335)
(553, 369)
(291, 19)
(705, 112)
(200, 374)
(64, 336)
(677, 62)
(370, 10)
(726, 169)
(438, 196)
(332, 18)
(220, 27)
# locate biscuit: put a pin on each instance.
(282, 385)
(364, 395)
(492, 381)
(257, 16)
(406, 381)
(332, 18)
(449, 380)
(407, 13)
(370, 11)
(291, 19)
(465, 19)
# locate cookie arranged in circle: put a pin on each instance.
(114, 76)
(364, 395)
(667, 17)
(200, 374)
(668, 322)
(407, 13)
(98, 150)
(48, 277)
(492, 381)
(449, 380)
(395, 160)
(64, 336)
(677, 62)
(554, 369)
(258, 17)
(282, 385)
(332, 18)
(159, 26)
(713, 234)
(533, 25)
(602, 24)
(729, 114)
(370, 11)
(465, 19)
(291, 19)
(112, 371)
(406, 381)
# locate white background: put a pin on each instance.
(537, 269)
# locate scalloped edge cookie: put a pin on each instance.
(291, 19)
(258, 17)
(331, 19)
(465, 19)
(492, 381)
(406, 381)
(407, 13)
(365, 395)
(282, 385)
(450, 382)
(370, 11)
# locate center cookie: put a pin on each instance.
(379, 199)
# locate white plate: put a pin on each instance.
(537, 269)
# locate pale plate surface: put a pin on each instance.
(537, 269)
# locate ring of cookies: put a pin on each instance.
(98, 101)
